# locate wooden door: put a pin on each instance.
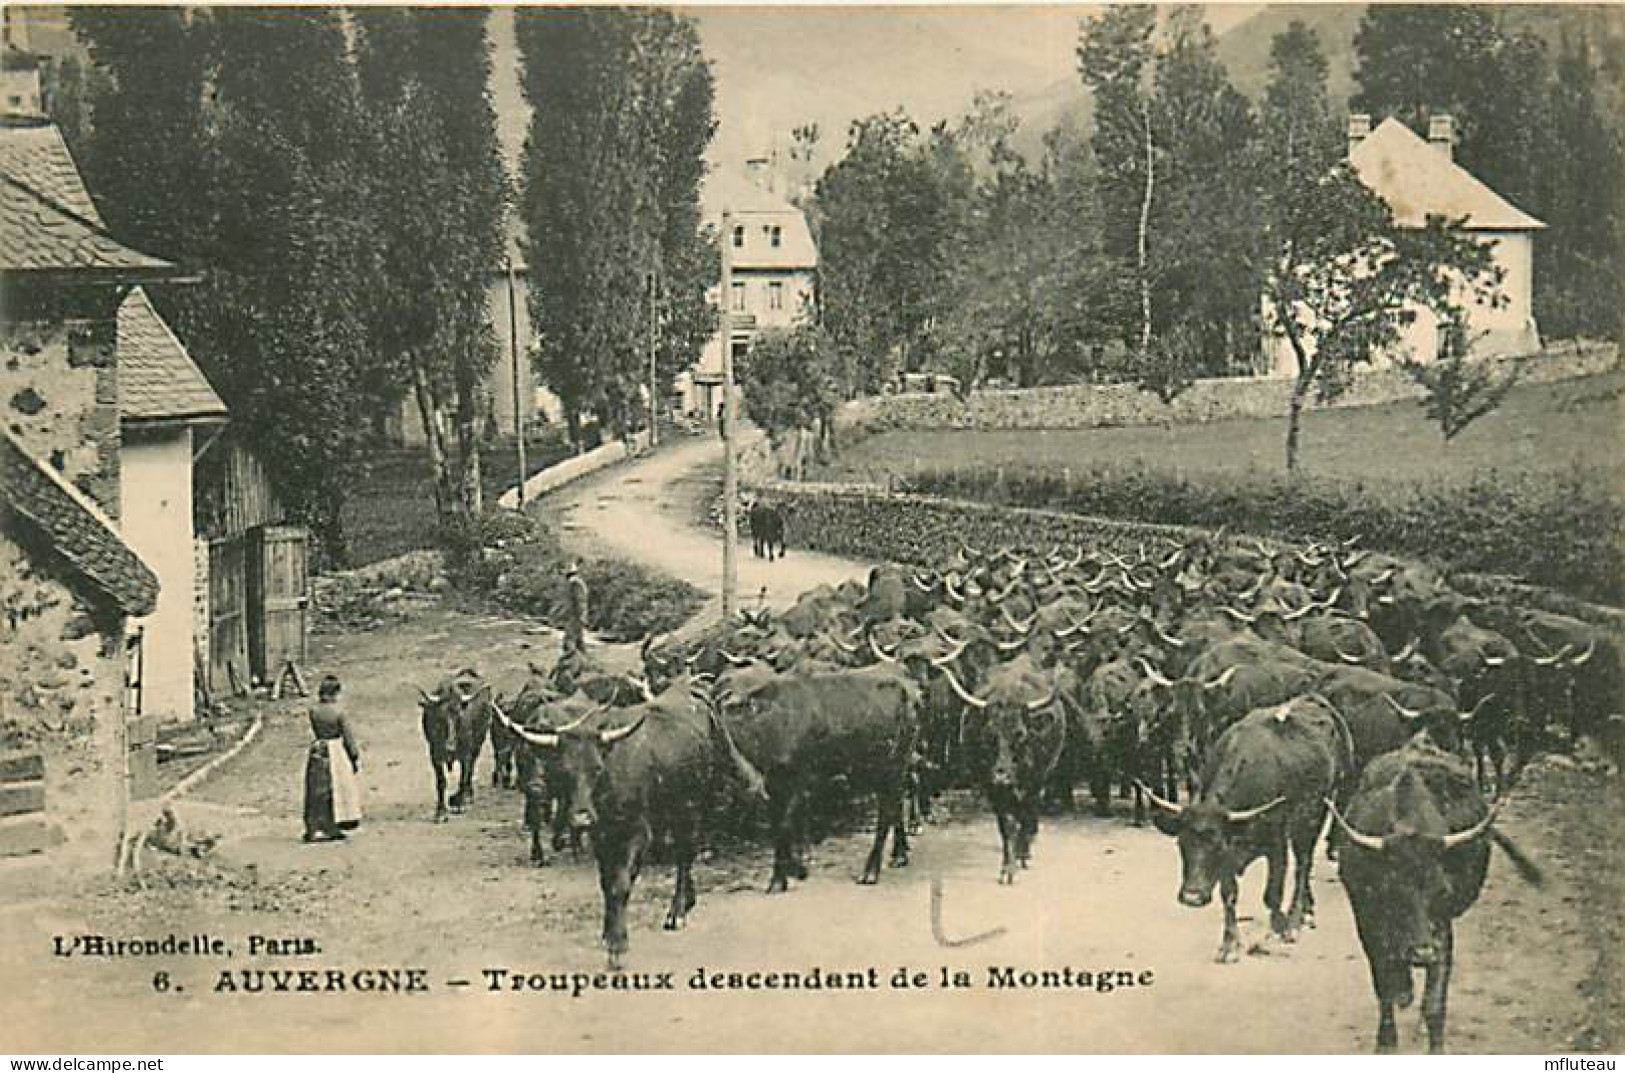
(228, 616)
(278, 598)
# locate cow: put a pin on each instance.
(456, 718)
(540, 778)
(1262, 793)
(632, 784)
(1414, 851)
(1015, 739)
(801, 733)
(768, 522)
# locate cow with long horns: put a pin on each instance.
(1262, 793)
(803, 733)
(456, 716)
(1015, 734)
(1414, 849)
(632, 784)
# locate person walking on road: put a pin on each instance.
(332, 798)
(575, 612)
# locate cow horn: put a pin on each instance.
(1151, 672)
(1467, 717)
(880, 653)
(1407, 714)
(964, 694)
(1239, 616)
(1248, 814)
(429, 699)
(737, 661)
(1331, 601)
(1222, 679)
(1293, 616)
(1004, 612)
(1407, 652)
(1384, 576)
(1585, 657)
(1476, 831)
(1370, 842)
(1553, 659)
(845, 646)
(952, 591)
(1348, 657)
(1173, 642)
(1171, 808)
(1172, 559)
(539, 739)
(642, 685)
(944, 660)
(610, 737)
(566, 728)
(1495, 661)
(969, 551)
(1042, 702)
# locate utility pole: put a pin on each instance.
(519, 405)
(730, 470)
(654, 329)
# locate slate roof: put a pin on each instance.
(75, 528)
(157, 379)
(755, 208)
(47, 220)
(1418, 181)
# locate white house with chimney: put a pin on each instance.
(1419, 179)
(774, 271)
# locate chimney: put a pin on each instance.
(1442, 135)
(759, 169)
(1359, 128)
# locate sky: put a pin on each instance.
(779, 67)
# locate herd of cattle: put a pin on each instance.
(1267, 687)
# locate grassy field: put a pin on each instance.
(1548, 428)
(393, 510)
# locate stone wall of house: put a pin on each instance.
(1110, 405)
(61, 688)
(59, 397)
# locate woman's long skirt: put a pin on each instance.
(332, 799)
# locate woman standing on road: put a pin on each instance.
(332, 799)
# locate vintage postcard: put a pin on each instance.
(730, 529)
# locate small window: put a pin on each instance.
(739, 238)
(739, 297)
(775, 295)
(776, 237)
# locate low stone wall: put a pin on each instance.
(574, 468)
(1226, 399)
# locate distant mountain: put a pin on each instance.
(1245, 48)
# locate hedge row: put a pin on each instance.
(1563, 533)
(510, 560)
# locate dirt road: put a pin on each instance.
(454, 900)
(640, 511)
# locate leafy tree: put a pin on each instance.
(1580, 258)
(790, 380)
(1459, 390)
(439, 186)
(1172, 139)
(889, 221)
(1342, 279)
(1420, 60)
(251, 118)
(1116, 58)
(146, 99)
(621, 116)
